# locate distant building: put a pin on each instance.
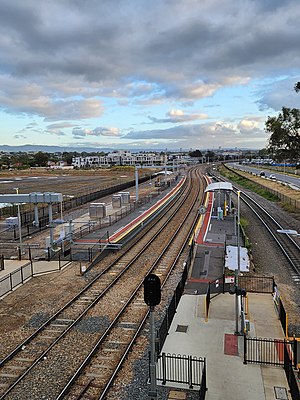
(59, 165)
(119, 158)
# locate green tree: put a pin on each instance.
(195, 153)
(284, 142)
(41, 159)
(210, 156)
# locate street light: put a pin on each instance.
(238, 270)
(19, 222)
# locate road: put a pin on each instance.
(294, 181)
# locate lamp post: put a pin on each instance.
(238, 269)
(19, 223)
(238, 233)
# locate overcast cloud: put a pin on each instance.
(75, 69)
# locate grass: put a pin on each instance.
(248, 184)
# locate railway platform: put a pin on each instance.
(16, 272)
(194, 333)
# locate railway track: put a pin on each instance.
(289, 247)
(106, 316)
(287, 244)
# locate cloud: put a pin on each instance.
(60, 61)
(278, 93)
(100, 131)
(31, 99)
(212, 134)
(178, 116)
(20, 136)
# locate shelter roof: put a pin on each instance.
(219, 186)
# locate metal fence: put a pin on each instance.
(166, 322)
(25, 272)
(265, 351)
(190, 370)
(286, 199)
(289, 372)
(27, 217)
(278, 352)
(257, 284)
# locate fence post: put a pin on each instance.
(223, 283)
(190, 371)
(2, 263)
(245, 349)
(295, 351)
(164, 372)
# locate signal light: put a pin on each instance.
(152, 291)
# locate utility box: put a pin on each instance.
(125, 197)
(97, 210)
(116, 201)
(69, 229)
(10, 222)
(47, 242)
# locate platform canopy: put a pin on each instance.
(31, 198)
(219, 186)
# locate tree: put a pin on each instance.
(297, 87)
(284, 142)
(210, 155)
(41, 159)
(195, 153)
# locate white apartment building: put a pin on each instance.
(119, 158)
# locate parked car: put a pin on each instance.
(262, 173)
(273, 177)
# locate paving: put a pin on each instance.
(213, 337)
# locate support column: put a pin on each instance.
(153, 389)
(136, 184)
(36, 215)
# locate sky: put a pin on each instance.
(134, 74)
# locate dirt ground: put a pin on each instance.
(68, 182)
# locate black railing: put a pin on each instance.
(281, 352)
(283, 317)
(289, 372)
(166, 322)
(265, 351)
(214, 288)
(184, 369)
(257, 284)
(207, 301)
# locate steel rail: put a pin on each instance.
(52, 318)
(285, 242)
(279, 238)
(146, 229)
(142, 322)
